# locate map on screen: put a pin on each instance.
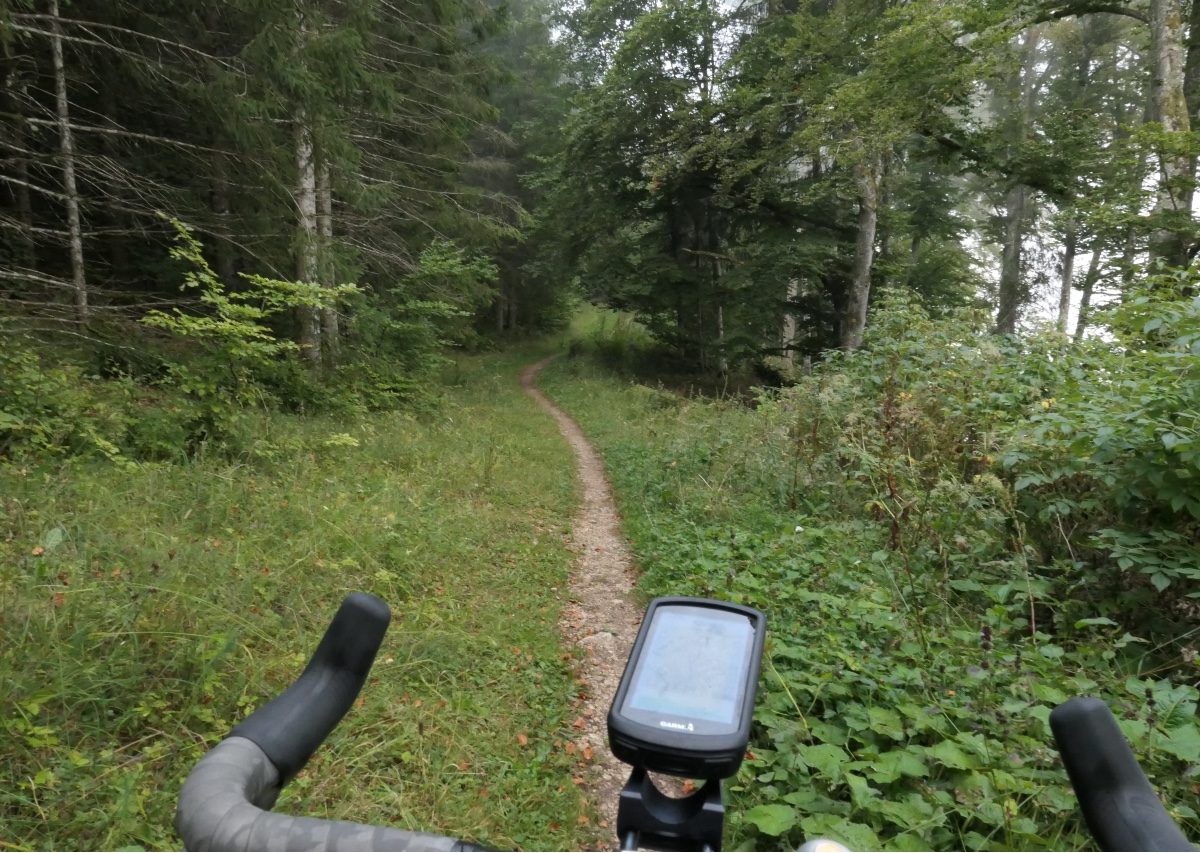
(693, 665)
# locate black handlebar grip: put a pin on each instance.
(291, 727)
(1120, 807)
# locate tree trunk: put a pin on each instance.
(914, 255)
(306, 249)
(66, 147)
(789, 322)
(330, 326)
(1068, 275)
(501, 309)
(1172, 209)
(722, 357)
(714, 258)
(1191, 90)
(1191, 65)
(883, 234)
(1089, 285)
(854, 321)
(1011, 291)
(1021, 91)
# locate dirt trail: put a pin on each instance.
(601, 615)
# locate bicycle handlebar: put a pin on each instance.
(1121, 808)
(225, 800)
(291, 726)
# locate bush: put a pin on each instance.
(53, 409)
(951, 533)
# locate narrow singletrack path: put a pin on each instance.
(601, 616)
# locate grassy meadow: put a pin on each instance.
(146, 608)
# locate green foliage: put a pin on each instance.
(232, 325)
(52, 410)
(705, 179)
(195, 393)
(1113, 455)
(616, 340)
(942, 563)
(447, 273)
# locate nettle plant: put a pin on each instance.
(1107, 471)
(935, 588)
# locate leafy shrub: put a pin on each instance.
(951, 533)
(53, 410)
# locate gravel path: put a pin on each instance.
(601, 616)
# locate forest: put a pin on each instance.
(880, 310)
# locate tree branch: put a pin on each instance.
(1084, 8)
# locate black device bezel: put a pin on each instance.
(694, 755)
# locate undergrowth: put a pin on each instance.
(950, 534)
(146, 607)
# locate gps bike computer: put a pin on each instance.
(686, 698)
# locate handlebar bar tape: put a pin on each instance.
(1120, 807)
(219, 809)
(291, 727)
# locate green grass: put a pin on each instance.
(145, 610)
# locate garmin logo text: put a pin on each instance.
(667, 724)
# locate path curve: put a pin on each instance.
(601, 616)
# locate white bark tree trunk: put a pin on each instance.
(66, 148)
(306, 250)
(1169, 108)
(1068, 276)
(1089, 285)
(854, 321)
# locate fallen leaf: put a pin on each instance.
(523, 739)
(587, 753)
(688, 787)
(59, 599)
(583, 820)
(578, 780)
(38, 550)
(750, 756)
(571, 748)
(579, 723)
